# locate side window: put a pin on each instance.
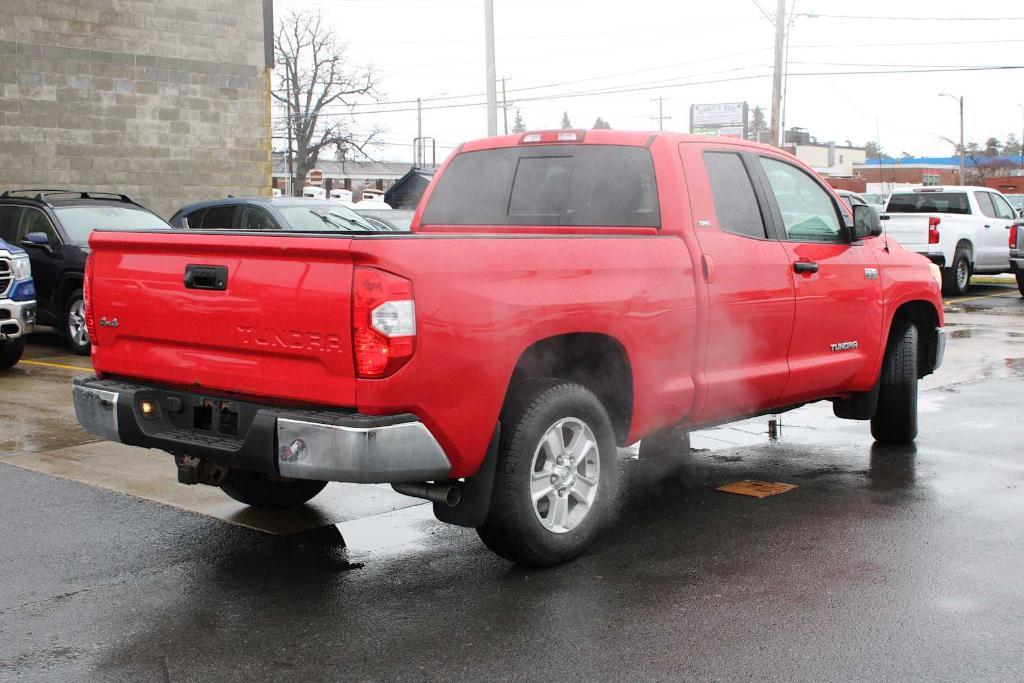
(219, 218)
(258, 219)
(9, 217)
(807, 210)
(985, 204)
(34, 220)
(1003, 208)
(733, 192)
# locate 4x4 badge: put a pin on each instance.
(871, 273)
(108, 323)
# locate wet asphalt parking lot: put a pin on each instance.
(882, 564)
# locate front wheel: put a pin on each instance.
(667, 443)
(10, 352)
(556, 474)
(895, 420)
(261, 491)
(75, 331)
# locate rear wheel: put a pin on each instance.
(895, 420)
(262, 491)
(556, 474)
(957, 278)
(10, 352)
(1020, 282)
(75, 332)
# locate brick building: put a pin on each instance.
(166, 101)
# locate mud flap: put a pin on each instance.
(475, 501)
(860, 406)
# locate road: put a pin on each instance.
(883, 563)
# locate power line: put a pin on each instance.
(813, 15)
(703, 82)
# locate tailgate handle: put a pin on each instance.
(206, 277)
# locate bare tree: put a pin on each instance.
(317, 88)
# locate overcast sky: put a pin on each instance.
(689, 52)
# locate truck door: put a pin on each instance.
(839, 306)
(750, 287)
(998, 234)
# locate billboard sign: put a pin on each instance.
(727, 119)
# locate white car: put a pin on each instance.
(961, 229)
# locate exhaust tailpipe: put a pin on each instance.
(445, 494)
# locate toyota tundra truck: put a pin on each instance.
(560, 294)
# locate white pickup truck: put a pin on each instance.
(963, 230)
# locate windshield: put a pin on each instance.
(873, 198)
(1016, 200)
(323, 217)
(397, 219)
(80, 221)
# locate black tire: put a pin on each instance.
(261, 491)
(10, 352)
(953, 281)
(513, 528)
(1020, 282)
(895, 420)
(667, 443)
(76, 338)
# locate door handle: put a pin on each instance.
(988, 225)
(708, 266)
(805, 267)
(206, 277)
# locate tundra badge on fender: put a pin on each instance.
(843, 346)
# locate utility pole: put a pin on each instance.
(1021, 140)
(492, 85)
(418, 152)
(661, 112)
(504, 103)
(780, 39)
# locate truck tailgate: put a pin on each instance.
(273, 320)
(909, 229)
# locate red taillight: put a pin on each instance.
(1013, 237)
(933, 229)
(383, 322)
(552, 136)
(90, 319)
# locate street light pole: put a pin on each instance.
(418, 152)
(961, 101)
(1021, 139)
(780, 36)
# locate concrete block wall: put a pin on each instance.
(167, 101)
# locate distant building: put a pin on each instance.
(827, 158)
(167, 101)
(345, 175)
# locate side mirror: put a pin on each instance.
(36, 239)
(865, 222)
(1020, 213)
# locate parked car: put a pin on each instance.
(270, 213)
(1016, 244)
(1017, 202)
(961, 229)
(561, 293)
(396, 220)
(17, 302)
(853, 199)
(876, 200)
(54, 227)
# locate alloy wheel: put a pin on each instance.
(564, 475)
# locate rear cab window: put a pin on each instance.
(929, 202)
(733, 194)
(568, 185)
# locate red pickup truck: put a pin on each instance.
(560, 294)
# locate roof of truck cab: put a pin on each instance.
(636, 138)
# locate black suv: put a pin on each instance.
(53, 226)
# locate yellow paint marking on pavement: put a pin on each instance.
(45, 364)
(950, 302)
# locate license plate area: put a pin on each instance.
(157, 412)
